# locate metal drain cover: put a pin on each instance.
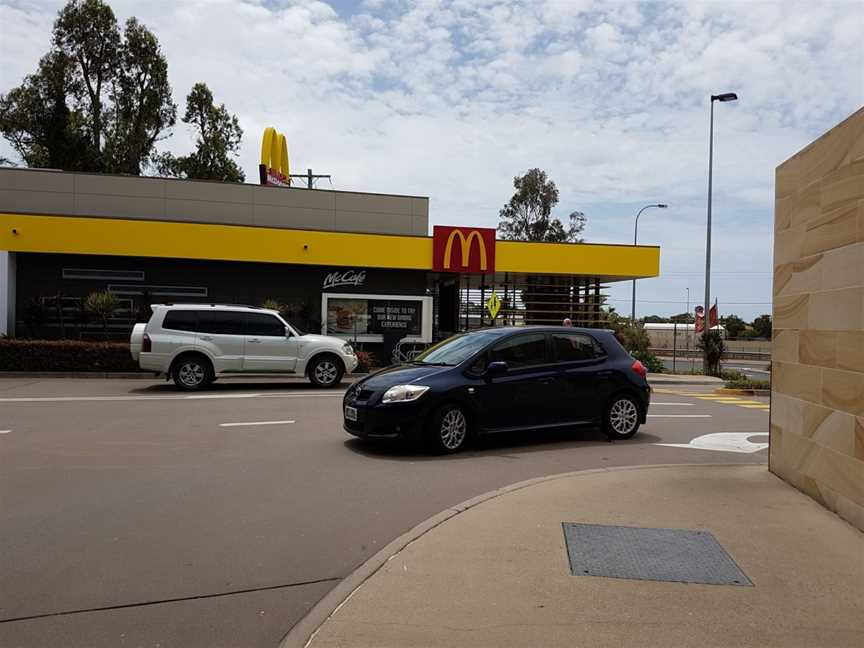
(672, 555)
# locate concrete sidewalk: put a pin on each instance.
(496, 574)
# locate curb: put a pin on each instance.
(304, 631)
(743, 392)
(77, 374)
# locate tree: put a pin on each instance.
(712, 346)
(734, 325)
(527, 217)
(762, 326)
(218, 140)
(37, 120)
(98, 102)
(655, 319)
(683, 318)
(102, 304)
(142, 105)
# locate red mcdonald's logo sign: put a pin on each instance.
(463, 249)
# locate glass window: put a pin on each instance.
(264, 324)
(572, 347)
(521, 350)
(220, 322)
(181, 320)
(456, 349)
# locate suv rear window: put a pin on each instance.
(181, 320)
(220, 322)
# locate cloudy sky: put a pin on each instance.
(452, 98)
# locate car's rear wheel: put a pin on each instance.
(622, 417)
(192, 372)
(326, 371)
(449, 429)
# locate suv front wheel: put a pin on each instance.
(192, 372)
(326, 371)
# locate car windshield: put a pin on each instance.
(455, 350)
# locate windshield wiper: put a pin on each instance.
(430, 364)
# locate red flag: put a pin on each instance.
(700, 319)
(712, 315)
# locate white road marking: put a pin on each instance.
(255, 423)
(723, 442)
(679, 416)
(5, 431)
(675, 404)
(82, 399)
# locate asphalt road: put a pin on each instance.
(134, 515)
(753, 369)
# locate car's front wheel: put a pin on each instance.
(449, 429)
(326, 371)
(622, 417)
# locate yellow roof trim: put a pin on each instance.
(169, 239)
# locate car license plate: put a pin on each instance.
(350, 413)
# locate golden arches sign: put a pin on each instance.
(465, 244)
(274, 169)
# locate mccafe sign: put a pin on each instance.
(463, 249)
(344, 278)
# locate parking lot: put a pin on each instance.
(134, 514)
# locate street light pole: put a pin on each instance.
(635, 236)
(706, 317)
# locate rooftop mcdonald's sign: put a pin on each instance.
(273, 169)
(463, 249)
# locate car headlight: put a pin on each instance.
(403, 393)
(347, 349)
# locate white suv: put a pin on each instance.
(196, 343)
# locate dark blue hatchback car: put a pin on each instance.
(503, 379)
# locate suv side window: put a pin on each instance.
(220, 322)
(572, 347)
(181, 320)
(264, 325)
(521, 350)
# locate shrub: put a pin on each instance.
(711, 344)
(102, 304)
(365, 361)
(652, 363)
(65, 355)
(746, 383)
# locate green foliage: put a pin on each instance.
(102, 304)
(65, 355)
(711, 344)
(99, 100)
(651, 361)
(218, 141)
(655, 319)
(747, 383)
(527, 217)
(274, 304)
(734, 325)
(683, 318)
(762, 326)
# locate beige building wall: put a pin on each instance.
(40, 191)
(817, 397)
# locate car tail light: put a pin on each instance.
(639, 368)
(146, 344)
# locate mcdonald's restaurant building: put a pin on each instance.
(356, 265)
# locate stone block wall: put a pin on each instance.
(817, 397)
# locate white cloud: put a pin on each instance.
(451, 99)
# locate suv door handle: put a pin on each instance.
(206, 338)
(254, 341)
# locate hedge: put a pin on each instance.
(65, 355)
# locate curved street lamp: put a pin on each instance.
(635, 236)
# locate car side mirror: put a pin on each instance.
(497, 368)
(287, 332)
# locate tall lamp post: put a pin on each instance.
(635, 236)
(706, 322)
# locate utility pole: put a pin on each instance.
(309, 177)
